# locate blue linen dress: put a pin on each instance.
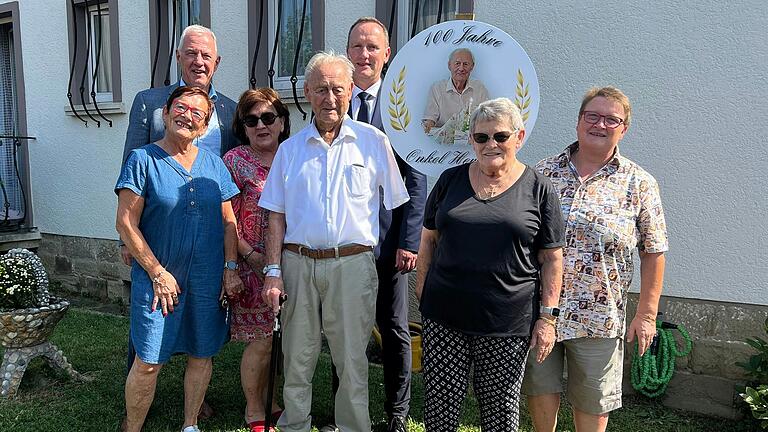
(183, 226)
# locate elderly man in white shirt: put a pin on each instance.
(449, 97)
(323, 195)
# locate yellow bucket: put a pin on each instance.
(415, 330)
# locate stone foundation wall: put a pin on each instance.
(706, 381)
(87, 266)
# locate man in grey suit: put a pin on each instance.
(198, 58)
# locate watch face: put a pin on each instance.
(555, 312)
(231, 265)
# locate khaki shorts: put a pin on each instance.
(595, 369)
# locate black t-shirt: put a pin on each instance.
(484, 275)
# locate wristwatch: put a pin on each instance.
(230, 265)
(269, 267)
(554, 311)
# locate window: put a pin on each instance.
(94, 47)
(168, 19)
(290, 23)
(187, 13)
(427, 16)
(98, 16)
(288, 38)
(16, 212)
(405, 10)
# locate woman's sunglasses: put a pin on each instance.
(499, 137)
(267, 118)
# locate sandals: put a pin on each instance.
(258, 425)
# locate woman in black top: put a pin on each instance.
(490, 258)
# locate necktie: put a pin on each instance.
(362, 113)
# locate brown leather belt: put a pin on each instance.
(336, 252)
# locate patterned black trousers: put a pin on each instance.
(499, 363)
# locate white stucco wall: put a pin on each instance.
(694, 72)
(73, 167)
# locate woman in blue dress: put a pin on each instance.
(174, 215)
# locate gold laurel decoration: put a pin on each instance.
(522, 96)
(398, 111)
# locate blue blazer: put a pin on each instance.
(145, 124)
(400, 228)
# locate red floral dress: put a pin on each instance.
(251, 318)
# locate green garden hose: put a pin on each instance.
(651, 372)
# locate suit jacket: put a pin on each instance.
(400, 228)
(145, 124)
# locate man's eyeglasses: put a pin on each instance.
(180, 108)
(267, 118)
(611, 122)
(499, 137)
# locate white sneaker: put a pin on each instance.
(192, 428)
(329, 428)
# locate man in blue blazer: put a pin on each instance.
(399, 229)
(198, 58)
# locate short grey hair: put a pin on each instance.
(323, 58)
(461, 51)
(198, 29)
(500, 109)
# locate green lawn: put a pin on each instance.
(95, 345)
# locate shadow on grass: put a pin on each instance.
(95, 344)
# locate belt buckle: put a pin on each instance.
(300, 248)
(336, 252)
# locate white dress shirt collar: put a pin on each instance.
(345, 132)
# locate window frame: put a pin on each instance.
(282, 85)
(83, 63)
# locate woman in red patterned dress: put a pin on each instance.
(261, 123)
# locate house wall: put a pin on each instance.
(694, 72)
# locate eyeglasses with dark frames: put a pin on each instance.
(499, 137)
(611, 122)
(267, 118)
(180, 108)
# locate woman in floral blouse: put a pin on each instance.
(261, 122)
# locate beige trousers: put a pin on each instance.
(338, 297)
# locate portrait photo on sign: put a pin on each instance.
(439, 77)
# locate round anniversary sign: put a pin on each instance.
(439, 77)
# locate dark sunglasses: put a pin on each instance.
(267, 118)
(499, 137)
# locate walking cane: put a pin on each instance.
(277, 333)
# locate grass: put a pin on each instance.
(95, 344)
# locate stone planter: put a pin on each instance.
(24, 335)
(28, 327)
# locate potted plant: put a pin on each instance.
(28, 315)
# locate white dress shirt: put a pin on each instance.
(330, 194)
(355, 105)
